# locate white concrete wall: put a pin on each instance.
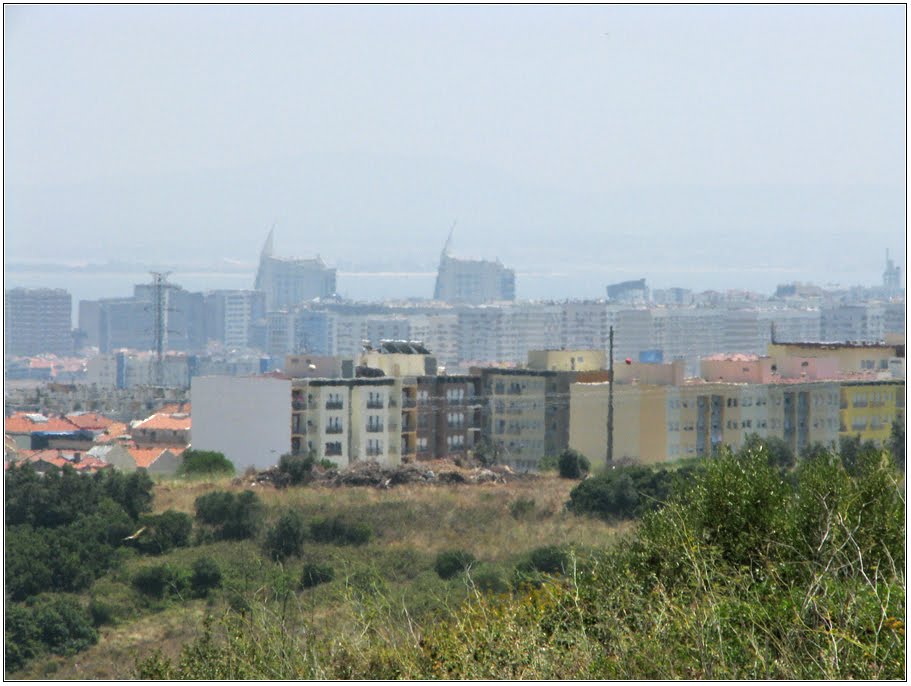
(246, 418)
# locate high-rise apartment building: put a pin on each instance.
(472, 282)
(290, 281)
(38, 320)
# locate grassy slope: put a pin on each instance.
(411, 523)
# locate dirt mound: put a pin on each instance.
(373, 474)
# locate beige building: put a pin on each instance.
(657, 423)
(347, 420)
(567, 360)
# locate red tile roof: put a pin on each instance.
(144, 457)
(89, 420)
(166, 421)
(24, 423)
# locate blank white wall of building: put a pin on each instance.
(247, 419)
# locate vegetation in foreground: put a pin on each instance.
(747, 565)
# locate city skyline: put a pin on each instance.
(565, 140)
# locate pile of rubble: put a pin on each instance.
(379, 476)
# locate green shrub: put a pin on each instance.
(626, 492)
(65, 626)
(205, 463)
(572, 464)
(522, 508)
(336, 530)
(286, 538)
(233, 517)
(206, 575)
(298, 468)
(548, 463)
(157, 581)
(101, 612)
(550, 559)
(489, 579)
(450, 563)
(315, 573)
(171, 529)
(775, 450)
(21, 638)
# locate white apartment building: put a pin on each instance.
(248, 419)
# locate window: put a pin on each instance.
(374, 423)
(334, 448)
(374, 447)
(422, 444)
(455, 442)
(334, 425)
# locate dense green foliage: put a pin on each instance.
(340, 532)
(298, 468)
(164, 532)
(627, 492)
(156, 581)
(572, 464)
(50, 622)
(286, 538)
(206, 576)
(230, 516)
(897, 442)
(205, 463)
(315, 573)
(744, 569)
(450, 563)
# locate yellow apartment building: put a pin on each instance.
(868, 408)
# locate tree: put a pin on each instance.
(206, 575)
(232, 517)
(488, 452)
(205, 463)
(776, 450)
(897, 442)
(449, 563)
(298, 468)
(286, 538)
(572, 464)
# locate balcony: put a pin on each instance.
(375, 404)
(409, 403)
(335, 405)
(374, 452)
(375, 428)
(393, 403)
(298, 404)
(334, 430)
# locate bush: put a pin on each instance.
(315, 573)
(233, 517)
(548, 463)
(450, 563)
(572, 464)
(776, 450)
(298, 468)
(64, 626)
(206, 576)
(205, 463)
(286, 538)
(550, 559)
(521, 508)
(489, 579)
(164, 532)
(160, 580)
(626, 492)
(339, 532)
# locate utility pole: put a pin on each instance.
(159, 284)
(610, 399)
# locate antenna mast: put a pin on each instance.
(159, 286)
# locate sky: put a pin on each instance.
(698, 146)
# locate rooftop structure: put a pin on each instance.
(473, 282)
(291, 281)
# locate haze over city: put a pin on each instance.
(733, 147)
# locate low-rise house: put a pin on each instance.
(21, 425)
(162, 430)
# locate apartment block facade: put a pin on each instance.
(37, 320)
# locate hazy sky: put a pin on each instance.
(134, 131)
